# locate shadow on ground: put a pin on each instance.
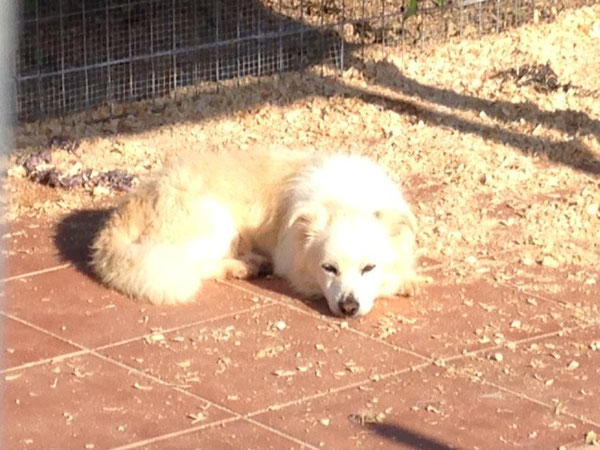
(404, 96)
(570, 121)
(282, 287)
(225, 45)
(74, 235)
(571, 153)
(405, 437)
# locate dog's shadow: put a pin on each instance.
(280, 286)
(74, 235)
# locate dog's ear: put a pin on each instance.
(397, 221)
(308, 219)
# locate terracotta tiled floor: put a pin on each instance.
(477, 364)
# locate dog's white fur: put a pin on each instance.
(334, 226)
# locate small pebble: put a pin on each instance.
(572, 365)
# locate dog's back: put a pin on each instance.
(177, 227)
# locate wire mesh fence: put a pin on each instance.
(75, 54)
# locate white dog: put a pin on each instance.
(334, 226)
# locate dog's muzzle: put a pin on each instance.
(348, 305)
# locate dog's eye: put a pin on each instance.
(367, 268)
(330, 268)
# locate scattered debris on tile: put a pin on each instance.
(368, 416)
(12, 376)
(197, 417)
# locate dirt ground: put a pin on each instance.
(496, 140)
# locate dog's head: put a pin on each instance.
(347, 252)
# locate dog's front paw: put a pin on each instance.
(263, 265)
(240, 270)
(411, 286)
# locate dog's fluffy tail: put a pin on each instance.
(160, 272)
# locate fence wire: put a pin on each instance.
(76, 54)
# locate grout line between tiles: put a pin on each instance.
(36, 272)
(175, 434)
(517, 393)
(249, 417)
(141, 373)
(182, 391)
(431, 359)
(400, 372)
(189, 325)
(43, 330)
(525, 291)
(207, 426)
(526, 340)
(564, 305)
(86, 350)
(96, 353)
(424, 365)
(584, 420)
(537, 295)
(279, 433)
(328, 321)
(45, 361)
(336, 390)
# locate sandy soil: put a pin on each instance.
(496, 140)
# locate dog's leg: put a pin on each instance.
(411, 285)
(246, 267)
(264, 264)
(402, 280)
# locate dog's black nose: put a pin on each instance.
(348, 305)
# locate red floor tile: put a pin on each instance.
(259, 359)
(562, 371)
(445, 319)
(429, 409)
(76, 307)
(568, 285)
(231, 436)
(28, 247)
(85, 402)
(310, 378)
(23, 344)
